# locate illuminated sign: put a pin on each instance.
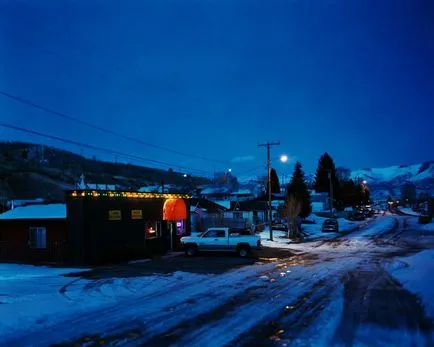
(136, 214)
(115, 215)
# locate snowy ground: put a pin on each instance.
(409, 211)
(316, 237)
(337, 291)
(414, 272)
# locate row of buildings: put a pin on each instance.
(97, 224)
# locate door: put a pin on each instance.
(214, 240)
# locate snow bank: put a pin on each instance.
(427, 227)
(313, 232)
(414, 273)
(409, 211)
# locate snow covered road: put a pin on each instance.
(334, 292)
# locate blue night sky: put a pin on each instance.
(216, 77)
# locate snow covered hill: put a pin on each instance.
(402, 173)
(387, 181)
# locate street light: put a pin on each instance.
(365, 182)
(229, 170)
(283, 159)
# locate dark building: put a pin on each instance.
(34, 233)
(112, 226)
(95, 227)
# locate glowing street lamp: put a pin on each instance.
(229, 170)
(283, 159)
(365, 182)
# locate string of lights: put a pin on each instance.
(102, 149)
(130, 195)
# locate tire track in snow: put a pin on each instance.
(141, 311)
(230, 324)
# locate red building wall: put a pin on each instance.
(14, 240)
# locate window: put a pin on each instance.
(215, 233)
(37, 238)
(211, 233)
(238, 215)
(153, 229)
(221, 233)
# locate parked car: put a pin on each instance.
(367, 212)
(425, 219)
(330, 225)
(358, 216)
(279, 226)
(222, 240)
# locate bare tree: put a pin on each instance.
(291, 212)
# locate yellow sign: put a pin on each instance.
(136, 214)
(115, 215)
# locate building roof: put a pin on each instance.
(41, 211)
(208, 205)
(244, 191)
(250, 205)
(224, 203)
(215, 191)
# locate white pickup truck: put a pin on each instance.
(223, 240)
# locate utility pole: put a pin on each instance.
(270, 213)
(331, 193)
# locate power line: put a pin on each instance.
(105, 130)
(97, 148)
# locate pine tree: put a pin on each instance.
(275, 185)
(326, 167)
(298, 188)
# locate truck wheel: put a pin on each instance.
(191, 251)
(243, 251)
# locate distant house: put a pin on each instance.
(251, 211)
(11, 204)
(205, 214)
(216, 193)
(243, 194)
(99, 186)
(318, 206)
(83, 184)
(320, 201)
(227, 192)
(158, 188)
(34, 233)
